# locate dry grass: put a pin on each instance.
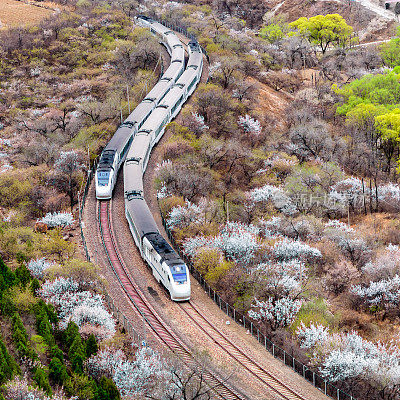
(16, 13)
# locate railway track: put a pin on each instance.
(284, 391)
(160, 329)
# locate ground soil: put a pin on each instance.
(15, 13)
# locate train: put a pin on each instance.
(166, 98)
(114, 153)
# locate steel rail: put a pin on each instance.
(283, 390)
(161, 330)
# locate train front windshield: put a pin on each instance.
(103, 177)
(179, 273)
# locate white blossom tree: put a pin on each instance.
(275, 313)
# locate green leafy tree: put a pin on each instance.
(274, 32)
(324, 30)
(390, 51)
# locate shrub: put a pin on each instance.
(39, 344)
(56, 219)
(23, 275)
(24, 300)
(38, 266)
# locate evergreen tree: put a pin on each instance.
(7, 274)
(57, 371)
(91, 346)
(42, 380)
(106, 390)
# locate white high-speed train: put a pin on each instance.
(168, 268)
(114, 153)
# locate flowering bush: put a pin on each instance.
(340, 356)
(57, 219)
(130, 377)
(312, 335)
(352, 247)
(82, 307)
(385, 293)
(286, 250)
(280, 200)
(283, 278)
(38, 266)
(348, 192)
(275, 313)
(180, 217)
(20, 389)
(389, 196)
(386, 264)
(238, 241)
(250, 125)
(199, 119)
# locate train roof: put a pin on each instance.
(140, 111)
(142, 217)
(164, 249)
(121, 136)
(158, 90)
(106, 159)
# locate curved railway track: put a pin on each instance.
(238, 354)
(160, 329)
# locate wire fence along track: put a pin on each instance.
(239, 355)
(162, 331)
(316, 380)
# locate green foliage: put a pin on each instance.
(81, 386)
(23, 299)
(274, 32)
(43, 325)
(77, 354)
(8, 366)
(91, 346)
(34, 286)
(379, 89)
(390, 51)
(56, 352)
(7, 306)
(39, 344)
(57, 371)
(23, 275)
(323, 30)
(70, 333)
(42, 380)
(314, 311)
(106, 390)
(15, 190)
(7, 275)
